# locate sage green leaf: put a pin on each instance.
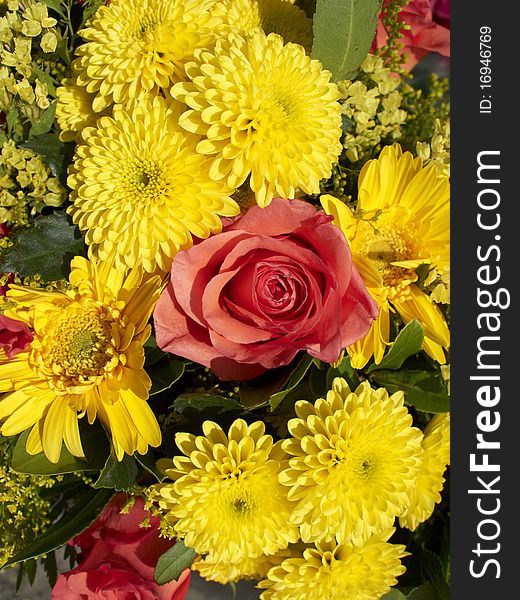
(46, 248)
(45, 122)
(173, 562)
(118, 475)
(95, 445)
(423, 592)
(164, 374)
(75, 520)
(55, 5)
(425, 390)
(394, 594)
(408, 342)
(343, 33)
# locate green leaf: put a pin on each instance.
(118, 475)
(194, 402)
(89, 9)
(173, 562)
(149, 462)
(55, 154)
(55, 5)
(394, 594)
(46, 248)
(95, 445)
(345, 370)
(152, 352)
(272, 387)
(408, 342)
(432, 568)
(343, 33)
(424, 390)
(45, 122)
(164, 374)
(75, 520)
(423, 592)
(50, 566)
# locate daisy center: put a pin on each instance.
(143, 181)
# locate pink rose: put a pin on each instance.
(118, 559)
(275, 281)
(15, 336)
(441, 12)
(424, 35)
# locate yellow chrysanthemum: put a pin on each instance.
(430, 481)
(402, 221)
(334, 571)
(140, 189)
(355, 457)
(73, 110)
(86, 358)
(266, 110)
(226, 498)
(246, 568)
(247, 17)
(137, 46)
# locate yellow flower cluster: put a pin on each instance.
(371, 105)
(27, 185)
(438, 149)
(24, 513)
(310, 515)
(27, 35)
(234, 103)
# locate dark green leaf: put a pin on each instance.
(394, 594)
(343, 33)
(408, 342)
(425, 390)
(30, 570)
(164, 374)
(55, 154)
(11, 118)
(55, 5)
(173, 562)
(423, 592)
(45, 122)
(46, 248)
(89, 9)
(195, 402)
(118, 475)
(76, 519)
(432, 568)
(344, 370)
(95, 445)
(148, 462)
(272, 387)
(152, 352)
(51, 568)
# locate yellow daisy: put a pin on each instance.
(355, 457)
(73, 110)
(402, 221)
(430, 481)
(270, 16)
(137, 46)
(335, 571)
(86, 358)
(266, 110)
(140, 190)
(226, 500)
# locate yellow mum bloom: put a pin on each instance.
(355, 457)
(408, 205)
(140, 189)
(86, 358)
(244, 569)
(73, 110)
(270, 16)
(334, 571)
(138, 46)
(266, 110)
(430, 481)
(226, 498)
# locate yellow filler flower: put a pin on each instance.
(138, 46)
(430, 481)
(334, 571)
(266, 110)
(226, 500)
(140, 190)
(86, 358)
(354, 459)
(402, 221)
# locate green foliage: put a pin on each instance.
(46, 248)
(164, 374)
(343, 34)
(54, 153)
(118, 475)
(408, 342)
(173, 562)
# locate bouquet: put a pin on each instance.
(224, 311)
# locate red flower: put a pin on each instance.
(15, 336)
(425, 34)
(118, 559)
(276, 281)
